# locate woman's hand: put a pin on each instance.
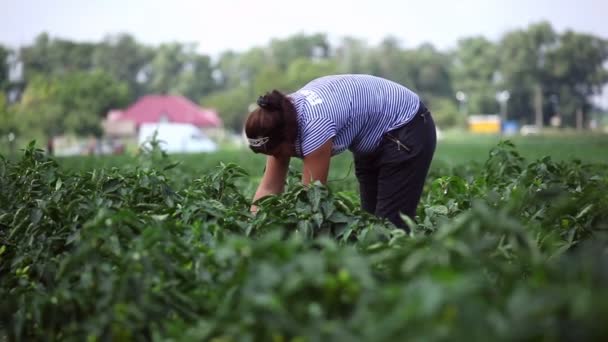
(316, 167)
(273, 181)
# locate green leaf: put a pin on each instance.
(112, 185)
(317, 218)
(439, 209)
(305, 229)
(314, 196)
(338, 217)
(171, 166)
(35, 215)
(328, 208)
(584, 211)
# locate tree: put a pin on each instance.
(231, 104)
(167, 63)
(388, 60)
(545, 72)
(552, 74)
(4, 68)
(424, 69)
(445, 113)
(72, 103)
(575, 72)
(178, 69)
(8, 126)
(122, 57)
(304, 70)
(242, 69)
(85, 98)
(7, 118)
(429, 72)
(267, 79)
(285, 51)
(474, 71)
(55, 57)
(196, 78)
(523, 68)
(353, 56)
(39, 112)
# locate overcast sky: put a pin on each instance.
(220, 25)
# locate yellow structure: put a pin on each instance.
(484, 123)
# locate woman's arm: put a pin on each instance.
(273, 181)
(316, 164)
(316, 167)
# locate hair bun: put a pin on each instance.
(271, 101)
(263, 102)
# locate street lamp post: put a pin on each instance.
(503, 97)
(462, 100)
(11, 143)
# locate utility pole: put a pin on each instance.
(538, 106)
(503, 97)
(462, 100)
(579, 118)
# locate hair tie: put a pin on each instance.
(258, 142)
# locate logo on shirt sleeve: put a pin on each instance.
(311, 97)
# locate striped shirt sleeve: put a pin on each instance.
(315, 132)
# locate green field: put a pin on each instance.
(134, 248)
(455, 149)
(458, 148)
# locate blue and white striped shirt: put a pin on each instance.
(355, 110)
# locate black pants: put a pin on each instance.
(392, 177)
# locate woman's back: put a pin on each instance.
(355, 109)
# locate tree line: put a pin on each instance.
(56, 86)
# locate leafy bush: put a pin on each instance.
(500, 251)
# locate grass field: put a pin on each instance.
(460, 148)
(452, 150)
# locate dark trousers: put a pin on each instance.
(392, 177)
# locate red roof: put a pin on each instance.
(172, 108)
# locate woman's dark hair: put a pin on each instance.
(272, 123)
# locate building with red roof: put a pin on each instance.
(159, 108)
